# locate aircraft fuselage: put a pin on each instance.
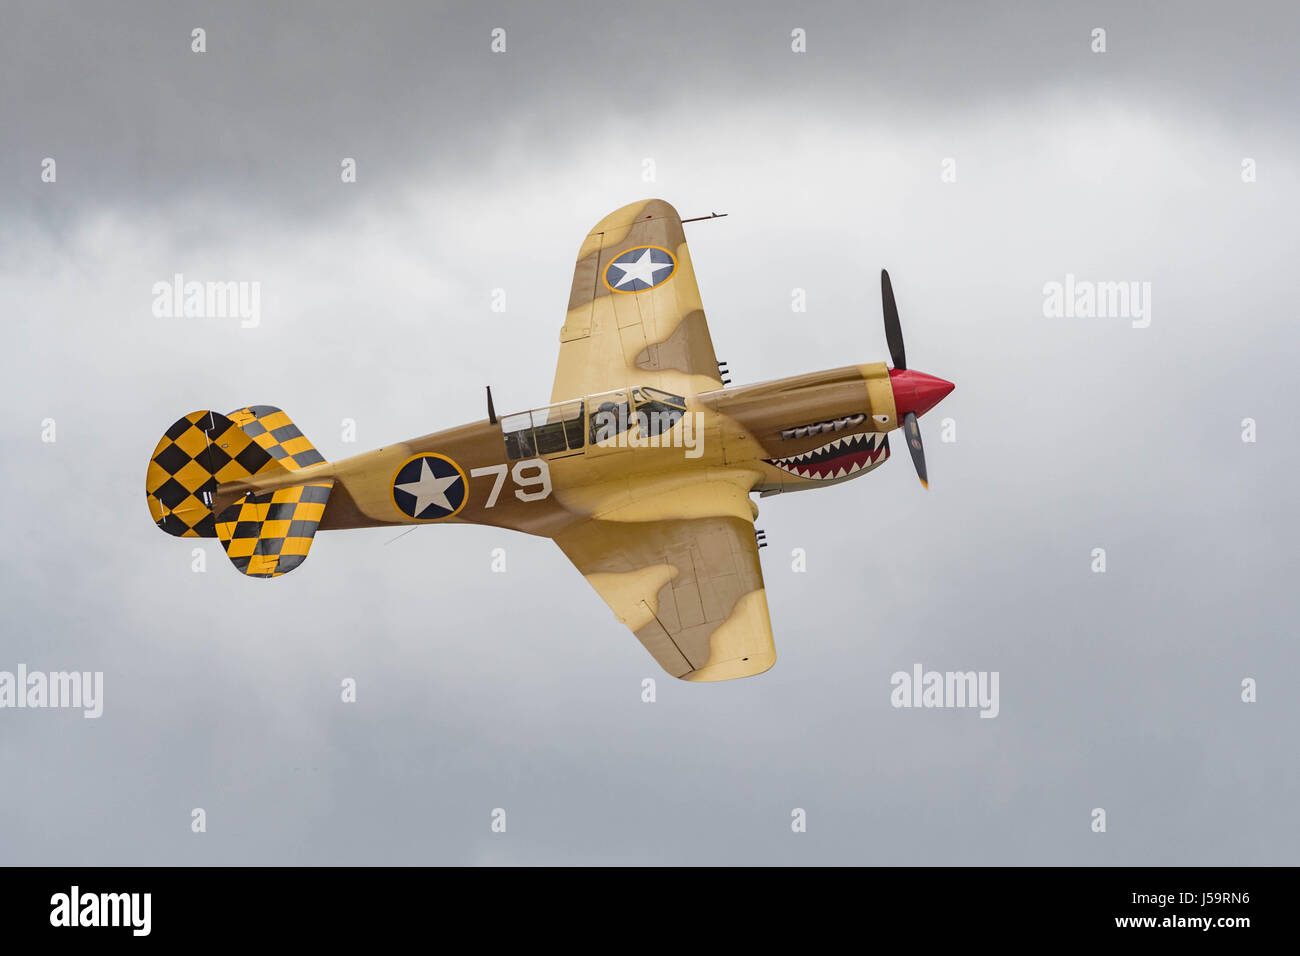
(543, 471)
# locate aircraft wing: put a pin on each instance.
(635, 316)
(687, 584)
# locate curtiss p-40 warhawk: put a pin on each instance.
(640, 468)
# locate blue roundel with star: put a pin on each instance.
(429, 487)
(641, 268)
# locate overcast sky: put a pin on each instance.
(479, 171)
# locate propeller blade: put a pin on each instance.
(893, 329)
(913, 435)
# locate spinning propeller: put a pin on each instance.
(915, 393)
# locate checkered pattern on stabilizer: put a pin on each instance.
(273, 431)
(199, 452)
(266, 535)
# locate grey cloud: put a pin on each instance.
(1117, 690)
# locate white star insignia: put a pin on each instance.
(642, 269)
(429, 489)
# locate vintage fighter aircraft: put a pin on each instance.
(640, 469)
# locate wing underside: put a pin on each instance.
(635, 316)
(688, 586)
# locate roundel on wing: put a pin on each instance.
(429, 487)
(639, 269)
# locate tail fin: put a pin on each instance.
(265, 534)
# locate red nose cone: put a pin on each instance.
(916, 391)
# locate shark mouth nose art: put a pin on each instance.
(837, 459)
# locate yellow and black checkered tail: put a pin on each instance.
(265, 534)
(268, 534)
(273, 431)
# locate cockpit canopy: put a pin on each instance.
(565, 428)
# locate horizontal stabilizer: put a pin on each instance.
(266, 535)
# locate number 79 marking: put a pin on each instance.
(541, 480)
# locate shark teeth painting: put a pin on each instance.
(839, 458)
